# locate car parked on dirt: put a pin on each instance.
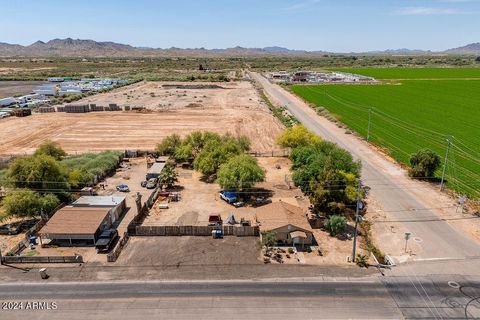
(151, 183)
(106, 239)
(123, 188)
(229, 196)
(215, 220)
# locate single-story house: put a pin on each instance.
(78, 225)
(84, 220)
(116, 203)
(288, 221)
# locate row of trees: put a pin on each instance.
(215, 156)
(40, 182)
(324, 171)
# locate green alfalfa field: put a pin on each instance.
(409, 115)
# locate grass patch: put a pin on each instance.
(412, 115)
(31, 253)
(415, 73)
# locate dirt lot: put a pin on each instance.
(236, 108)
(11, 88)
(199, 199)
(188, 251)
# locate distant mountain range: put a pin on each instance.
(90, 48)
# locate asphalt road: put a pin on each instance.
(388, 184)
(393, 298)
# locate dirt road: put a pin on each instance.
(399, 204)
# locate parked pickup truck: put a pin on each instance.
(229, 196)
(106, 240)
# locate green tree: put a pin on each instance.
(168, 176)
(52, 149)
(214, 154)
(183, 153)
(269, 239)
(27, 203)
(297, 136)
(424, 163)
(41, 172)
(335, 224)
(240, 172)
(169, 144)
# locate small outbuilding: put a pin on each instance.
(289, 222)
(155, 170)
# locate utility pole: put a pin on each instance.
(369, 123)
(442, 183)
(356, 220)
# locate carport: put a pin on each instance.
(76, 224)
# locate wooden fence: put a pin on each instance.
(115, 253)
(33, 230)
(273, 153)
(195, 231)
(39, 259)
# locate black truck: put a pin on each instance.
(106, 239)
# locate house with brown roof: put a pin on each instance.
(289, 222)
(82, 222)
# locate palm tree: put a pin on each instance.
(168, 176)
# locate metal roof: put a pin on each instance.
(98, 201)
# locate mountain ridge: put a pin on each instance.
(90, 48)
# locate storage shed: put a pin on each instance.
(155, 170)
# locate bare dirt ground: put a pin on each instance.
(11, 88)
(235, 109)
(199, 199)
(190, 251)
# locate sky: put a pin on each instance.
(330, 25)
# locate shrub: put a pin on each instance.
(297, 136)
(424, 163)
(335, 224)
(361, 261)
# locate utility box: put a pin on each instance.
(43, 273)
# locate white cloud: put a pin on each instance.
(415, 11)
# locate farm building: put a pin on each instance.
(288, 221)
(83, 221)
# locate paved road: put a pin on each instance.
(389, 185)
(394, 298)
